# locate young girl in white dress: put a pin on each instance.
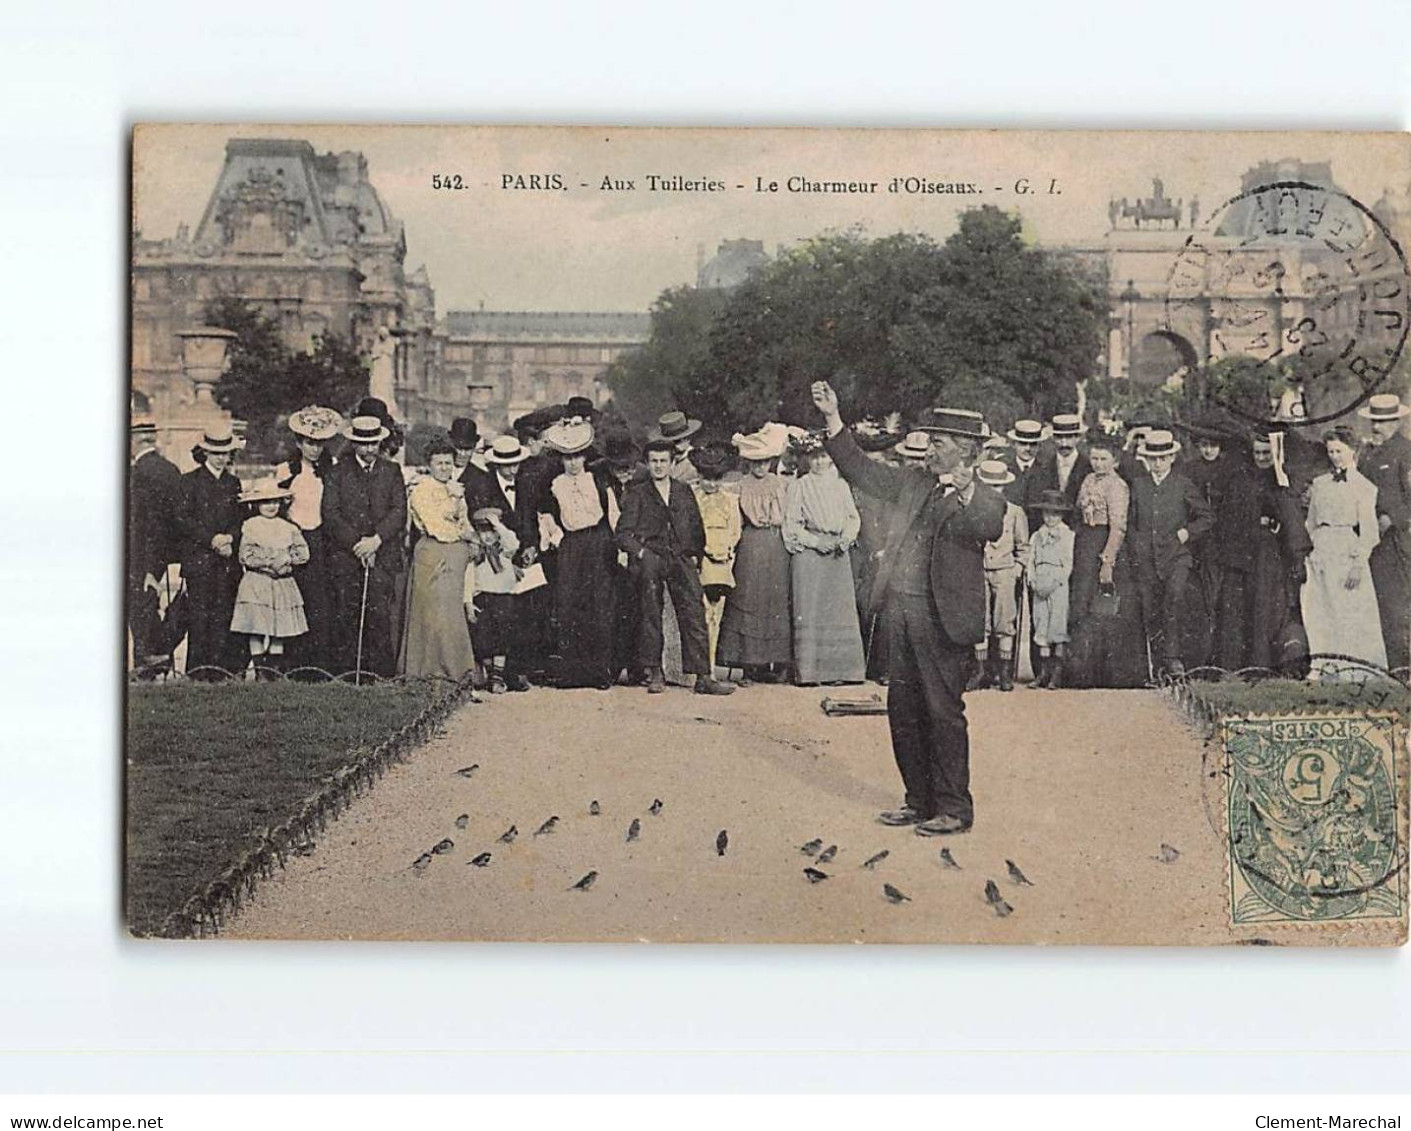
(268, 606)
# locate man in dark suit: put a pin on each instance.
(208, 525)
(1062, 467)
(1165, 515)
(153, 495)
(1386, 461)
(365, 517)
(663, 537)
(465, 438)
(930, 588)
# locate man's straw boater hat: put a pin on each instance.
(1067, 424)
(1383, 406)
(315, 423)
(506, 450)
(955, 422)
(915, 446)
(265, 491)
(142, 426)
(994, 473)
(1158, 442)
(222, 440)
(1026, 432)
(366, 430)
(674, 426)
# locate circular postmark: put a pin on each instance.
(1306, 283)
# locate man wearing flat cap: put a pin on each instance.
(1386, 462)
(930, 587)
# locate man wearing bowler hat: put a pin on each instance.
(365, 517)
(470, 465)
(930, 586)
(1386, 461)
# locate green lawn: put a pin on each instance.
(1270, 696)
(207, 763)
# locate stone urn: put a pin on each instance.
(203, 359)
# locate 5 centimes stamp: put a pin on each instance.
(1315, 817)
(1303, 280)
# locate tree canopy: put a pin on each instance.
(896, 323)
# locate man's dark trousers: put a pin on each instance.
(925, 709)
(678, 577)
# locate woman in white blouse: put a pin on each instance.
(435, 635)
(1339, 603)
(581, 514)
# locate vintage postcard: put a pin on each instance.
(733, 535)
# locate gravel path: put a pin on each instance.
(1078, 788)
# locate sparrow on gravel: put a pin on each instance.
(872, 861)
(827, 854)
(948, 860)
(1016, 875)
(420, 863)
(480, 861)
(585, 883)
(466, 771)
(1169, 854)
(594, 808)
(995, 900)
(507, 837)
(633, 830)
(814, 875)
(655, 808)
(462, 820)
(894, 895)
(722, 841)
(811, 848)
(546, 827)
(444, 846)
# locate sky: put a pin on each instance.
(591, 249)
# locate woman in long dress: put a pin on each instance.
(585, 513)
(756, 632)
(302, 476)
(435, 635)
(820, 525)
(1339, 602)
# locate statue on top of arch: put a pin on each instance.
(1156, 209)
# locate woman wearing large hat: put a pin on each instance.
(208, 523)
(755, 631)
(303, 475)
(583, 513)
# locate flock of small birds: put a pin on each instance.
(814, 849)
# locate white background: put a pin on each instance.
(81, 1008)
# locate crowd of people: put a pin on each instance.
(565, 553)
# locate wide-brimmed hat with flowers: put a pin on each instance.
(768, 442)
(316, 423)
(265, 491)
(569, 438)
(806, 443)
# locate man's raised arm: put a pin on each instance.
(875, 479)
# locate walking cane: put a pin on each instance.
(362, 620)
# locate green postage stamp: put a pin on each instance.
(1316, 834)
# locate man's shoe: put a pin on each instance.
(899, 818)
(1055, 674)
(943, 825)
(979, 675)
(497, 685)
(707, 686)
(1006, 674)
(518, 683)
(656, 683)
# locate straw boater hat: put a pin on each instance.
(994, 473)
(143, 426)
(222, 440)
(1053, 500)
(915, 446)
(1158, 442)
(315, 423)
(1026, 432)
(366, 430)
(768, 443)
(569, 438)
(674, 426)
(264, 491)
(1383, 406)
(955, 422)
(506, 449)
(465, 433)
(1067, 424)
